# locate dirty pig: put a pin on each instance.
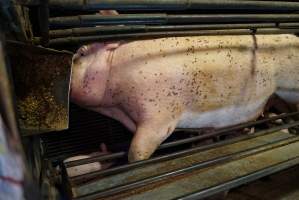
(153, 86)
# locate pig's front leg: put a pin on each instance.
(149, 135)
(119, 115)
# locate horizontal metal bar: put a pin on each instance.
(153, 179)
(171, 156)
(133, 19)
(29, 2)
(133, 165)
(180, 162)
(85, 31)
(289, 25)
(174, 5)
(232, 18)
(74, 144)
(241, 180)
(228, 129)
(93, 20)
(74, 136)
(71, 150)
(183, 141)
(138, 36)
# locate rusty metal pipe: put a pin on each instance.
(94, 5)
(138, 36)
(133, 19)
(85, 31)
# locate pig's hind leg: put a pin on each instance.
(149, 135)
(118, 115)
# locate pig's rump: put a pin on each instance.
(205, 81)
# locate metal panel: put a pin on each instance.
(42, 78)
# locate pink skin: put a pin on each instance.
(90, 89)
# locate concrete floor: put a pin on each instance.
(281, 186)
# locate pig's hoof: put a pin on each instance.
(136, 156)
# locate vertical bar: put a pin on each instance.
(43, 13)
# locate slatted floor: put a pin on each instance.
(281, 186)
(192, 173)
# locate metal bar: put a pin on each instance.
(138, 36)
(90, 141)
(222, 131)
(183, 141)
(241, 180)
(151, 160)
(93, 20)
(153, 169)
(29, 2)
(174, 5)
(84, 31)
(133, 19)
(75, 136)
(289, 25)
(232, 18)
(183, 171)
(170, 156)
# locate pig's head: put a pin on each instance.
(90, 72)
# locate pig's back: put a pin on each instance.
(210, 79)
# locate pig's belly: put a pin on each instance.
(222, 117)
(289, 95)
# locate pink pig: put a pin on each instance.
(153, 86)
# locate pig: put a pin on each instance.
(153, 86)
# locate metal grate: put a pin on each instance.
(87, 131)
(138, 180)
(75, 22)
